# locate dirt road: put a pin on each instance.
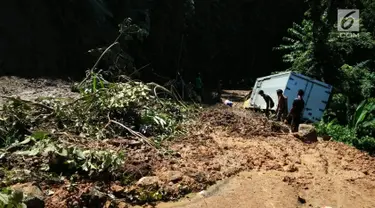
(285, 172)
(256, 163)
(288, 173)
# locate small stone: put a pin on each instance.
(301, 200)
(107, 204)
(172, 176)
(216, 167)
(203, 193)
(290, 168)
(326, 138)
(122, 205)
(148, 181)
(288, 179)
(116, 188)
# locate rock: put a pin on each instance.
(203, 193)
(116, 189)
(122, 205)
(148, 181)
(33, 196)
(94, 198)
(307, 133)
(326, 138)
(108, 204)
(288, 180)
(279, 127)
(290, 168)
(301, 200)
(216, 167)
(172, 176)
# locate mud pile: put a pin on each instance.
(240, 122)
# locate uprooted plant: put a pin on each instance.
(53, 134)
(116, 110)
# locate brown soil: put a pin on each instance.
(266, 167)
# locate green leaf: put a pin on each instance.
(4, 198)
(32, 152)
(63, 152)
(39, 135)
(17, 197)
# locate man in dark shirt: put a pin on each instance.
(282, 106)
(268, 100)
(296, 112)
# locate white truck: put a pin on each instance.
(316, 96)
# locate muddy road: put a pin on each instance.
(284, 172)
(234, 158)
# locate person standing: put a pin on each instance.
(296, 112)
(268, 100)
(282, 106)
(199, 86)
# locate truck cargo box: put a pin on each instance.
(316, 96)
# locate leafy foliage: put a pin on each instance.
(11, 199)
(71, 159)
(363, 120)
(360, 130)
(133, 104)
(298, 46)
(337, 132)
(316, 49)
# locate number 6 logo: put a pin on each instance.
(348, 20)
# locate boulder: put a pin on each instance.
(306, 133)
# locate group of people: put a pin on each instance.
(294, 116)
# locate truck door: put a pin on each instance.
(294, 84)
(315, 107)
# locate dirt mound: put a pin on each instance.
(242, 123)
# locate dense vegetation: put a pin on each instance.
(315, 48)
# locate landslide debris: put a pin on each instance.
(96, 137)
(241, 122)
(102, 163)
